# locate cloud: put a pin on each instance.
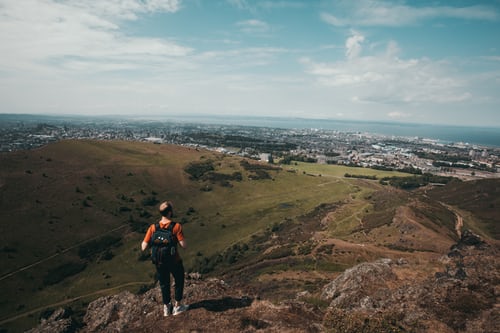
(398, 115)
(253, 26)
(387, 79)
(126, 10)
(54, 36)
(353, 45)
(240, 4)
(255, 5)
(491, 58)
(395, 14)
(234, 59)
(282, 4)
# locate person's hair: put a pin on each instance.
(166, 208)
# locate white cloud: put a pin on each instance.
(382, 13)
(491, 58)
(253, 26)
(274, 4)
(240, 4)
(45, 36)
(353, 45)
(386, 79)
(126, 10)
(398, 115)
(254, 5)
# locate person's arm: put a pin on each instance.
(145, 242)
(180, 236)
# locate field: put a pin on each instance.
(73, 215)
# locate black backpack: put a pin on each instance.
(163, 245)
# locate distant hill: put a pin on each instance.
(73, 213)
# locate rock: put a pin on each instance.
(58, 322)
(462, 298)
(351, 289)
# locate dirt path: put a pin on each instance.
(459, 224)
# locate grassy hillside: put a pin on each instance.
(479, 201)
(72, 216)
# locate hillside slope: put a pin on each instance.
(270, 233)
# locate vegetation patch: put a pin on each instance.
(222, 178)
(197, 170)
(372, 177)
(437, 216)
(62, 272)
(99, 247)
(377, 219)
(409, 183)
(258, 166)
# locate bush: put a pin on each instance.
(198, 169)
(93, 248)
(63, 271)
(150, 201)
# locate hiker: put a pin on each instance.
(163, 238)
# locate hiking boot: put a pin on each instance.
(167, 310)
(179, 309)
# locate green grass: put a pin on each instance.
(340, 170)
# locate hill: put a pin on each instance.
(73, 214)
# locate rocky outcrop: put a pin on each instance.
(462, 298)
(214, 306)
(58, 322)
(357, 286)
(370, 297)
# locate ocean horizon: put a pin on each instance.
(484, 136)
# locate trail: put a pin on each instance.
(459, 224)
(70, 300)
(57, 254)
(460, 221)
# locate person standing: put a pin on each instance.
(171, 232)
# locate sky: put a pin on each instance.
(435, 62)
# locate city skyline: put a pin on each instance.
(404, 61)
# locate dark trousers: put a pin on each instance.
(177, 271)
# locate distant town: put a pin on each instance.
(272, 145)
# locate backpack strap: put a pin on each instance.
(171, 227)
(156, 227)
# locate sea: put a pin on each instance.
(447, 134)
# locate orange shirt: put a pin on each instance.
(176, 231)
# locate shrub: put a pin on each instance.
(198, 169)
(93, 248)
(63, 271)
(150, 201)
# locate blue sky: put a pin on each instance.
(405, 61)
